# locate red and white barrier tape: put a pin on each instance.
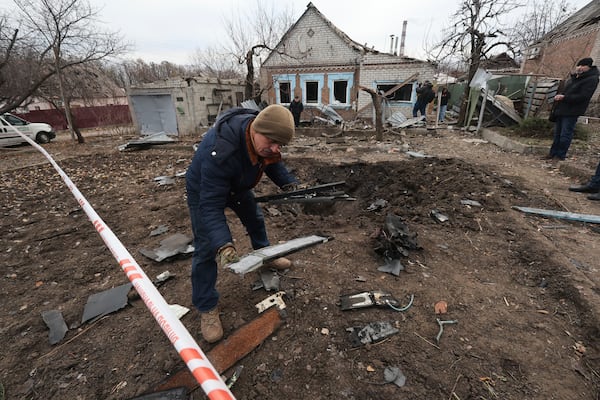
(184, 343)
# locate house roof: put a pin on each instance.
(586, 18)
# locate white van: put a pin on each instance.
(40, 132)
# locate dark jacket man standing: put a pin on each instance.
(296, 107)
(229, 162)
(425, 95)
(572, 103)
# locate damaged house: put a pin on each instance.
(182, 105)
(557, 53)
(321, 64)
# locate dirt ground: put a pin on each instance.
(525, 290)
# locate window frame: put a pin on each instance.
(337, 77)
(412, 86)
(288, 78)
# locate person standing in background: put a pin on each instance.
(572, 103)
(445, 96)
(296, 107)
(425, 95)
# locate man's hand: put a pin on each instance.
(227, 255)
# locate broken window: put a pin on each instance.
(312, 92)
(312, 86)
(340, 89)
(284, 92)
(339, 84)
(402, 94)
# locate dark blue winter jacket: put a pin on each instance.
(221, 172)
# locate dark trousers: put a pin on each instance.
(204, 266)
(419, 107)
(296, 119)
(595, 181)
(564, 129)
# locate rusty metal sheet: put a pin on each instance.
(232, 349)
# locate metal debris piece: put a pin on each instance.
(377, 205)
(394, 375)
(163, 277)
(159, 230)
(275, 300)
(258, 258)
(147, 141)
(169, 247)
(231, 349)
(234, 377)
(251, 104)
(394, 240)
(392, 267)
(417, 121)
(330, 113)
(55, 321)
(417, 154)
(106, 302)
(314, 194)
(406, 307)
(396, 119)
(168, 179)
(178, 310)
(471, 203)
(164, 180)
(371, 333)
(438, 216)
(269, 279)
(594, 219)
(441, 324)
(367, 299)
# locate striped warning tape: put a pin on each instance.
(184, 343)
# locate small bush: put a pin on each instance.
(544, 129)
(534, 128)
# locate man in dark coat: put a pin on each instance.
(296, 107)
(425, 95)
(571, 104)
(229, 162)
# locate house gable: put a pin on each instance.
(314, 40)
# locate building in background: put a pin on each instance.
(321, 64)
(182, 106)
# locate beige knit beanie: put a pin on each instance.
(275, 122)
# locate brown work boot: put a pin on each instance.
(210, 325)
(280, 263)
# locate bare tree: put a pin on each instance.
(215, 63)
(476, 33)
(67, 33)
(134, 72)
(540, 18)
(376, 98)
(252, 35)
(23, 68)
